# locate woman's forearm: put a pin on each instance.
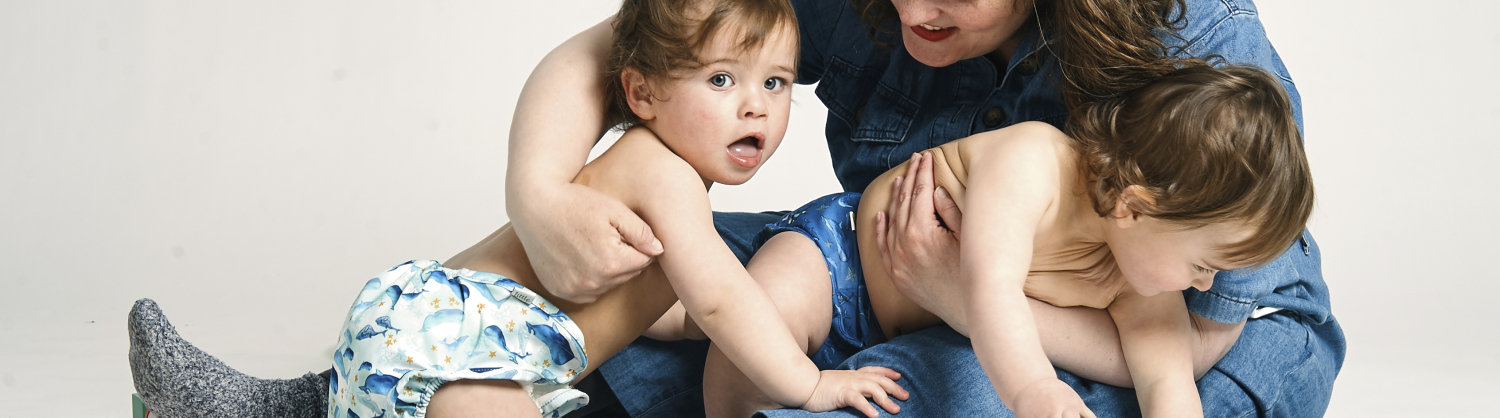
(572, 234)
(559, 116)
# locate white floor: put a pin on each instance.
(249, 165)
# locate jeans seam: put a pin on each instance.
(1231, 299)
(1215, 27)
(1286, 377)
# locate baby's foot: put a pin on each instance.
(176, 379)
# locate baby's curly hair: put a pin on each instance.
(1207, 145)
(661, 39)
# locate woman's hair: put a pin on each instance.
(662, 38)
(1104, 47)
(1206, 145)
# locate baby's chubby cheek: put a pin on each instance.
(704, 114)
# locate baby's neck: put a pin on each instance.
(1078, 219)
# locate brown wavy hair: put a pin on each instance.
(661, 39)
(1105, 47)
(1207, 145)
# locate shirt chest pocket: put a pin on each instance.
(870, 111)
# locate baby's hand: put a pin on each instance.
(840, 388)
(1050, 398)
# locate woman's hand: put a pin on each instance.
(840, 388)
(1050, 398)
(582, 243)
(918, 236)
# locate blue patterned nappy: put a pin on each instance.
(829, 222)
(420, 325)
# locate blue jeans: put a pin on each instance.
(1283, 365)
(1278, 368)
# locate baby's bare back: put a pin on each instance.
(1060, 265)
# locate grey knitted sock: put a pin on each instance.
(177, 380)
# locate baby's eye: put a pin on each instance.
(721, 80)
(1202, 269)
(774, 83)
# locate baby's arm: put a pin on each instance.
(1156, 333)
(1013, 185)
(730, 307)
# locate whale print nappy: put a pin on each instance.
(420, 325)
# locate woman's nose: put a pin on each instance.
(913, 12)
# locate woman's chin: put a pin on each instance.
(928, 53)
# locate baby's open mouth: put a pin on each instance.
(746, 151)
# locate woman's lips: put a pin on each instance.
(932, 35)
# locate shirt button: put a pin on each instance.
(993, 117)
(1029, 65)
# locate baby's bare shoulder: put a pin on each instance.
(639, 167)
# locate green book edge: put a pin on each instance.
(137, 407)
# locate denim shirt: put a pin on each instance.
(884, 105)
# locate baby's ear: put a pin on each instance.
(1128, 207)
(638, 94)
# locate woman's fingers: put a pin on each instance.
(903, 198)
(589, 247)
(634, 231)
(947, 210)
(921, 190)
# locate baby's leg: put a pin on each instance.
(621, 315)
(792, 271)
(676, 325)
(481, 398)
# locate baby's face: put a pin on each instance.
(1158, 257)
(727, 117)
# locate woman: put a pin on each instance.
(899, 78)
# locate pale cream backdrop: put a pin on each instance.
(249, 164)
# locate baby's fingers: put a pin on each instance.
(857, 401)
(890, 386)
(888, 373)
(884, 401)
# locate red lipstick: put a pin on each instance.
(932, 35)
